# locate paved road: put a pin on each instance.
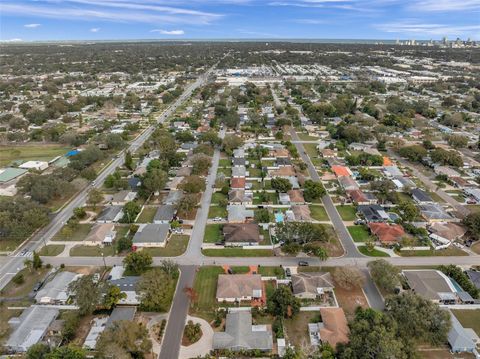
(178, 314)
(430, 184)
(15, 263)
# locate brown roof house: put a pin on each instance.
(101, 234)
(301, 213)
(387, 234)
(296, 196)
(310, 285)
(237, 182)
(241, 234)
(239, 287)
(335, 327)
(446, 232)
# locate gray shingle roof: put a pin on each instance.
(152, 233)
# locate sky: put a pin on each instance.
(38, 20)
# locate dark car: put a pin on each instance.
(288, 272)
(303, 264)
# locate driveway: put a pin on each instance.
(203, 346)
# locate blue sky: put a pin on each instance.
(29, 20)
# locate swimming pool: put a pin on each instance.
(279, 217)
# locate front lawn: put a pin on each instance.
(205, 286)
(217, 197)
(271, 272)
(217, 211)
(447, 252)
(318, 213)
(225, 162)
(92, 251)
(359, 233)
(147, 215)
(176, 246)
(348, 213)
(78, 235)
(373, 253)
(213, 233)
(51, 250)
(237, 252)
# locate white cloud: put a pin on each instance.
(445, 5)
(310, 21)
(95, 29)
(12, 40)
(169, 32)
(428, 29)
(31, 26)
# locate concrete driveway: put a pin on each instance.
(203, 346)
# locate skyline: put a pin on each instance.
(44, 20)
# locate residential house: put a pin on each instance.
(237, 183)
(361, 198)
(151, 235)
(392, 171)
(431, 284)
(433, 212)
(239, 172)
(128, 286)
(341, 171)
(101, 233)
(164, 214)
(110, 214)
(284, 198)
(373, 213)
(301, 213)
(238, 162)
(387, 234)
(173, 197)
(473, 193)
(56, 290)
(402, 183)
(241, 234)
(421, 197)
(461, 339)
(347, 183)
(237, 213)
(241, 335)
(30, 327)
(296, 196)
(446, 232)
(240, 196)
(310, 285)
(122, 197)
(239, 287)
(333, 329)
(474, 277)
(282, 162)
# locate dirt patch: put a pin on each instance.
(296, 329)
(350, 299)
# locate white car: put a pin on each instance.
(218, 219)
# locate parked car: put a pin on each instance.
(303, 264)
(288, 272)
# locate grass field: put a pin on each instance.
(359, 233)
(447, 252)
(237, 252)
(225, 162)
(147, 215)
(469, 318)
(213, 233)
(373, 253)
(51, 250)
(176, 246)
(348, 213)
(92, 251)
(78, 235)
(205, 285)
(39, 152)
(318, 213)
(217, 211)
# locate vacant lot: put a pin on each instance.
(51, 250)
(348, 213)
(176, 246)
(213, 233)
(359, 233)
(39, 152)
(92, 251)
(318, 213)
(350, 299)
(147, 215)
(296, 329)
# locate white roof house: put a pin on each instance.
(56, 290)
(34, 165)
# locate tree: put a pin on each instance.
(300, 232)
(193, 184)
(348, 277)
(372, 335)
(36, 261)
(169, 267)
(191, 293)
(87, 294)
(37, 351)
(457, 141)
(124, 339)
(67, 352)
(157, 289)
(231, 142)
(124, 244)
(200, 163)
(154, 181)
(79, 212)
(472, 222)
(128, 160)
(283, 303)
(138, 262)
(130, 212)
(70, 325)
(384, 274)
(281, 184)
(188, 203)
(262, 216)
(418, 319)
(409, 211)
(414, 153)
(95, 197)
(28, 263)
(313, 190)
(113, 296)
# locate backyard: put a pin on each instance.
(147, 215)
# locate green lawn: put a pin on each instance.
(31, 278)
(373, 253)
(92, 251)
(51, 250)
(225, 162)
(213, 233)
(271, 272)
(147, 215)
(39, 152)
(177, 245)
(318, 213)
(469, 318)
(311, 150)
(348, 213)
(447, 252)
(359, 233)
(78, 235)
(254, 172)
(217, 211)
(205, 285)
(306, 137)
(237, 252)
(217, 197)
(227, 171)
